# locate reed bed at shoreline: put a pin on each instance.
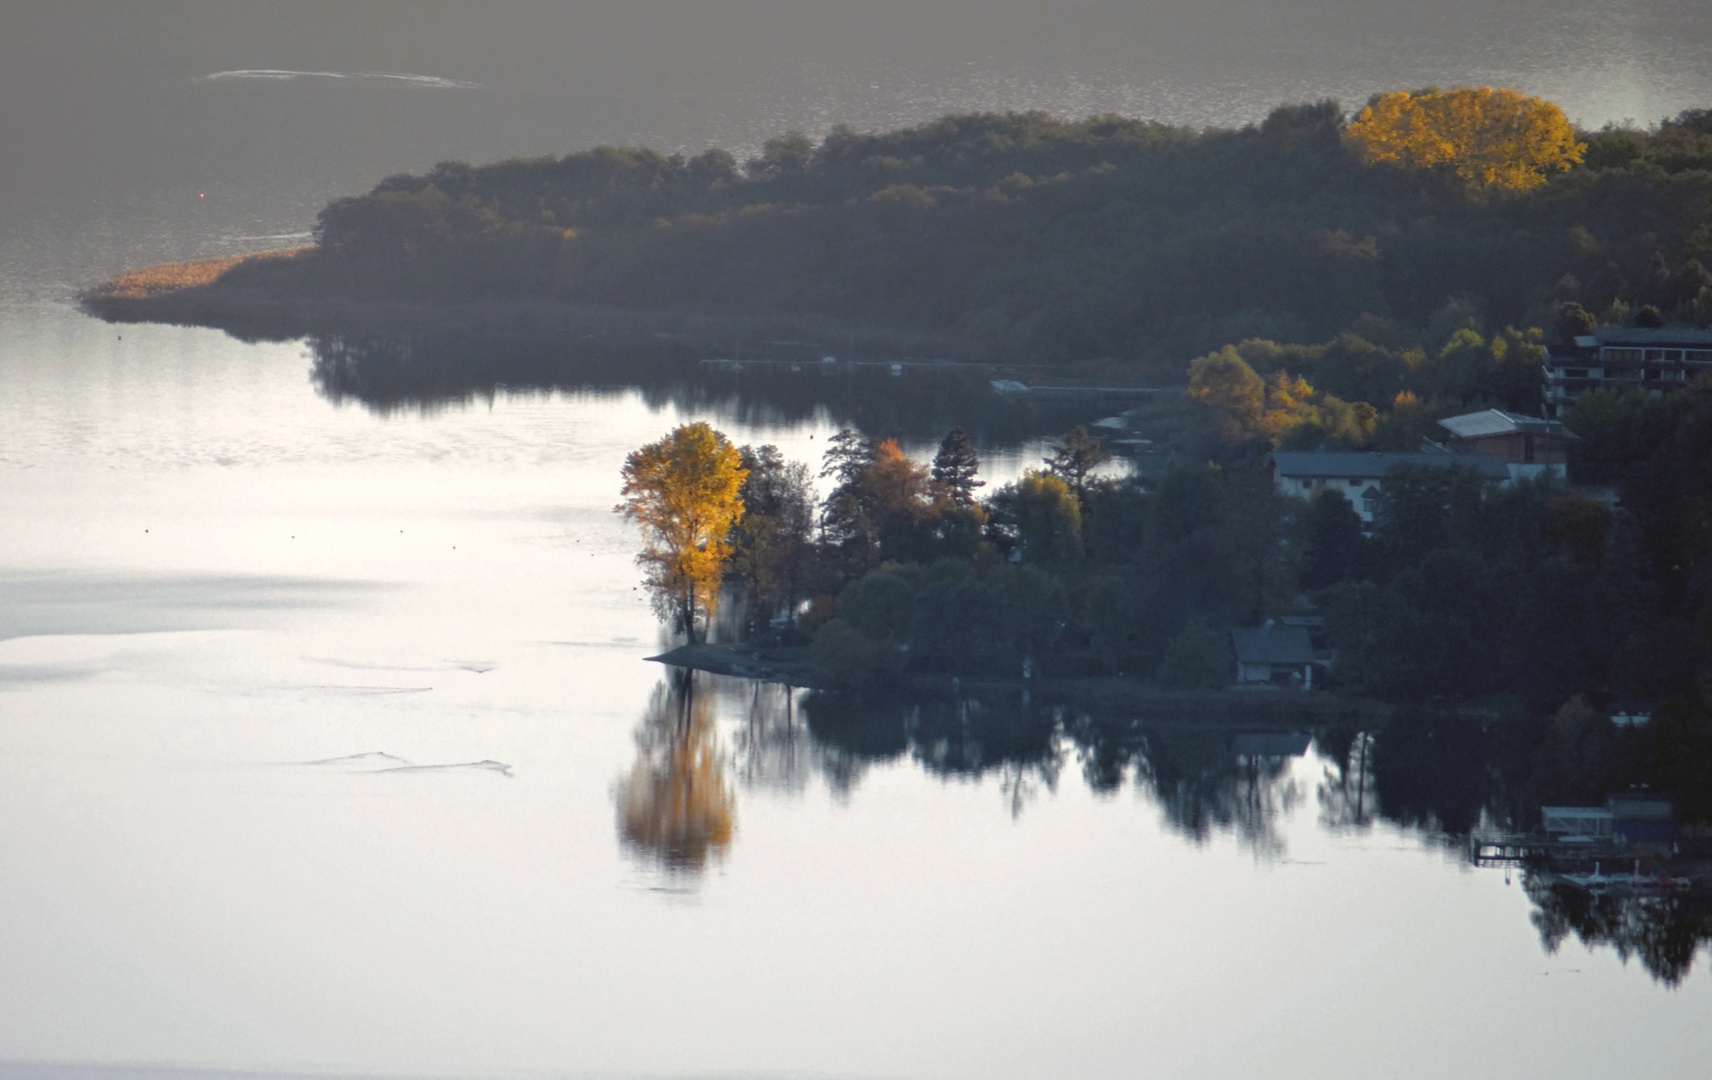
(163, 278)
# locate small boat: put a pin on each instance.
(1594, 882)
(1653, 882)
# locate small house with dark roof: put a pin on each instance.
(1527, 445)
(1276, 654)
(1359, 476)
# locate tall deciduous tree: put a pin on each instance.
(1042, 515)
(1489, 138)
(773, 545)
(684, 491)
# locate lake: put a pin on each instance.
(328, 742)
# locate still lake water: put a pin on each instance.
(223, 598)
(319, 724)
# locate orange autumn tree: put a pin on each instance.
(684, 491)
(1490, 138)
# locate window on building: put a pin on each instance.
(1575, 372)
(1654, 354)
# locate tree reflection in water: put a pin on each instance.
(952, 737)
(676, 809)
(1347, 791)
(426, 371)
(772, 748)
(1664, 932)
(1434, 776)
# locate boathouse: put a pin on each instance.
(1279, 655)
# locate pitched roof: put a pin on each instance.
(1272, 644)
(1363, 465)
(1499, 422)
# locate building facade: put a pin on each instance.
(1527, 445)
(1273, 655)
(1654, 359)
(1359, 476)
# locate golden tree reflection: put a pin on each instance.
(676, 809)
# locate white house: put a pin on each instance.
(1359, 476)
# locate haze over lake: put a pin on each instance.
(316, 717)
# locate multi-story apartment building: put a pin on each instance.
(1654, 359)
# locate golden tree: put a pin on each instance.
(1490, 138)
(684, 493)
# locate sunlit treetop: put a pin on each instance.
(1489, 138)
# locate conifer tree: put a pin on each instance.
(1075, 459)
(955, 466)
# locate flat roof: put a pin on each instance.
(1654, 336)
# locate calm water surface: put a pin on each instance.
(319, 727)
(327, 740)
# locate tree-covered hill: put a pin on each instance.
(1050, 239)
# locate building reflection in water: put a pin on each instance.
(1664, 932)
(676, 809)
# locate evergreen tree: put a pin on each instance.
(1075, 459)
(955, 466)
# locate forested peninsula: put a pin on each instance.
(1027, 237)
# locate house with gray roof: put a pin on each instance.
(1274, 653)
(1359, 476)
(1527, 445)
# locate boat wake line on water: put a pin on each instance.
(379, 761)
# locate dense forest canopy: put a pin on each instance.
(1053, 240)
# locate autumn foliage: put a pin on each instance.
(684, 491)
(1489, 138)
(171, 277)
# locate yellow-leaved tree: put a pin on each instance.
(684, 491)
(1491, 138)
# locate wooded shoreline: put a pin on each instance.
(166, 293)
(1244, 708)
